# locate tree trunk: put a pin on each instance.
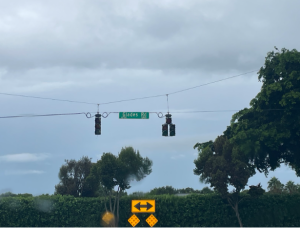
(238, 214)
(117, 219)
(105, 203)
(235, 207)
(115, 204)
(110, 202)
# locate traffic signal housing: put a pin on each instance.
(165, 127)
(165, 130)
(168, 119)
(98, 124)
(172, 129)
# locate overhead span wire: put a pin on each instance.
(210, 82)
(88, 114)
(118, 101)
(60, 114)
(46, 98)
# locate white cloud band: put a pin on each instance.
(23, 157)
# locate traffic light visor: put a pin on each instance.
(165, 130)
(172, 129)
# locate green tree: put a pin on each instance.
(256, 191)
(8, 194)
(268, 132)
(291, 188)
(220, 165)
(73, 176)
(206, 190)
(167, 190)
(190, 190)
(275, 186)
(118, 171)
(25, 195)
(138, 194)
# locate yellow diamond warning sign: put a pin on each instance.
(108, 217)
(133, 220)
(151, 220)
(142, 206)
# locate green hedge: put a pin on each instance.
(189, 211)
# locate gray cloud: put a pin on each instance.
(212, 36)
(101, 51)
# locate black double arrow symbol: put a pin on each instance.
(138, 206)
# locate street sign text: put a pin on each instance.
(133, 115)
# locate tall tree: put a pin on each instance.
(275, 186)
(73, 176)
(118, 171)
(219, 165)
(291, 188)
(269, 131)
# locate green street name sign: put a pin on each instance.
(133, 115)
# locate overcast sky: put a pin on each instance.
(102, 51)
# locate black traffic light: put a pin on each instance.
(172, 129)
(165, 130)
(98, 124)
(168, 119)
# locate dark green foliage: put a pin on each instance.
(25, 195)
(206, 190)
(271, 137)
(220, 165)
(275, 186)
(163, 190)
(111, 171)
(256, 191)
(169, 190)
(8, 194)
(73, 177)
(138, 194)
(291, 188)
(194, 210)
(190, 190)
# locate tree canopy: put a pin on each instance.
(163, 191)
(268, 132)
(118, 171)
(220, 165)
(256, 191)
(169, 190)
(73, 177)
(291, 188)
(275, 186)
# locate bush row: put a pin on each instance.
(194, 210)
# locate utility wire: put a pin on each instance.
(132, 99)
(140, 98)
(88, 114)
(212, 82)
(45, 98)
(235, 110)
(61, 114)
